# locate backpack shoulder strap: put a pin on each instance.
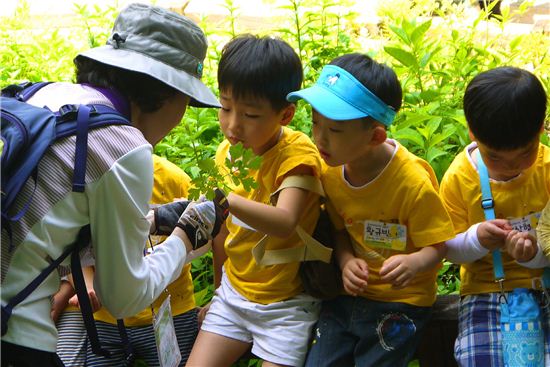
(23, 91)
(311, 249)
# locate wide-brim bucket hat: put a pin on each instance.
(162, 44)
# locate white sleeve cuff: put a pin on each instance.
(465, 247)
(539, 261)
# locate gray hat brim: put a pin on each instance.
(201, 95)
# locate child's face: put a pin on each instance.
(506, 164)
(341, 142)
(253, 123)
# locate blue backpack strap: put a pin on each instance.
(28, 91)
(84, 237)
(79, 172)
(22, 92)
(488, 205)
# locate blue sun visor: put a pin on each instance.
(337, 95)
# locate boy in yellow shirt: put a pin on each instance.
(261, 303)
(505, 109)
(385, 200)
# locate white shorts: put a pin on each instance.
(280, 332)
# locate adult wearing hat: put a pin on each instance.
(150, 71)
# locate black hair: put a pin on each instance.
(378, 78)
(260, 67)
(505, 107)
(148, 93)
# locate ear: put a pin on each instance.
(288, 114)
(379, 135)
(472, 137)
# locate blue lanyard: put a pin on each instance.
(488, 205)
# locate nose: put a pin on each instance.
(232, 124)
(514, 165)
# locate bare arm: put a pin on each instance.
(218, 254)
(278, 221)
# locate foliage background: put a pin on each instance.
(433, 45)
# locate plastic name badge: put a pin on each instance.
(385, 235)
(165, 336)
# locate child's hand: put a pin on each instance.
(60, 299)
(521, 245)
(355, 275)
(492, 233)
(94, 301)
(399, 270)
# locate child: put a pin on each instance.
(257, 304)
(385, 199)
(170, 183)
(505, 110)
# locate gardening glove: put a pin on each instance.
(201, 221)
(165, 217)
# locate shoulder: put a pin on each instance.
(410, 170)
(293, 140)
(461, 169)
(168, 172)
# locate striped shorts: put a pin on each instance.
(74, 349)
(479, 339)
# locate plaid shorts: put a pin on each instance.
(479, 338)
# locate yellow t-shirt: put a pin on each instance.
(268, 284)
(170, 182)
(543, 230)
(404, 194)
(526, 194)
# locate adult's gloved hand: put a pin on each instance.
(166, 217)
(201, 221)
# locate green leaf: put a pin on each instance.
(411, 135)
(419, 31)
(433, 125)
(207, 164)
(404, 57)
(434, 153)
(400, 33)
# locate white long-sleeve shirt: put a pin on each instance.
(119, 180)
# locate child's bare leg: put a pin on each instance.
(215, 350)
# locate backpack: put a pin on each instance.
(27, 132)
(321, 279)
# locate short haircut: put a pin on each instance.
(148, 93)
(260, 67)
(505, 107)
(378, 78)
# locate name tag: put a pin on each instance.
(527, 223)
(385, 235)
(165, 336)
